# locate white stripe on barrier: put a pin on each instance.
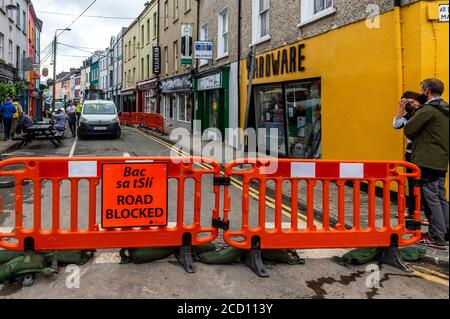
(351, 170)
(139, 162)
(83, 169)
(306, 170)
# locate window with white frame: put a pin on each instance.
(187, 5)
(10, 52)
(166, 60)
(260, 20)
(312, 10)
(2, 44)
(175, 56)
(204, 36)
(148, 102)
(222, 48)
(185, 107)
(176, 10)
(166, 14)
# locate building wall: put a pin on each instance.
(172, 32)
(58, 90)
(208, 14)
(103, 73)
(16, 30)
(131, 57)
(358, 68)
(285, 17)
(149, 34)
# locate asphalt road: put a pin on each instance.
(103, 277)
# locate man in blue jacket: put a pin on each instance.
(7, 109)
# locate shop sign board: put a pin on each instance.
(210, 82)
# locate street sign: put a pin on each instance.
(203, 50)
(443, 13)
(156, 60)
(186, 44)
(134, 195)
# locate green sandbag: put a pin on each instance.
(360, 256)
(287, 256)
(226, 255)
(203, 248)
(27, 264)
(74, 257)
(8, 255)
(145, 255)
(412, 254)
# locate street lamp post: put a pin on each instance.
(55, 45)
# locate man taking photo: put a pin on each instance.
(428, 129)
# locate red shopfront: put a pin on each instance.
(148, 96)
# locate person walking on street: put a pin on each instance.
(7, 109)
(78, 111)
(72, 117)
(17, 115)
(429, 131)
(409, 104)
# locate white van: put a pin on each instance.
(99, 118)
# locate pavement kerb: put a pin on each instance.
(10, 148)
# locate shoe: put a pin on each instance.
(429, 243)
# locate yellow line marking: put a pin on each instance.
(270, 203)
(252, 192)
(430, 271)
(431, 278)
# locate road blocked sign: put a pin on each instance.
(134, 195)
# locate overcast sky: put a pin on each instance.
(92, 33)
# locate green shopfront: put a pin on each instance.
(212, 96)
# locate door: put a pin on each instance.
(270, 109)
(304, 116)
(169, 108)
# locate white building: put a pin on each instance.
(116, 83)
(103, 80)
(13, 39)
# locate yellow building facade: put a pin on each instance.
(363, 70)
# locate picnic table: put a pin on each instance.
(40, 131)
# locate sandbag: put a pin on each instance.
(145, 255)
(287, 256)
(27, 264)
(358, 256)
(8, 255)
(226, 255)
(200, 249)
(412, 254)
(74, 257)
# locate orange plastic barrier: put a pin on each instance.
(402, 233)
(150, 120)
(181, 234)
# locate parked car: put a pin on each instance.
(99, 117)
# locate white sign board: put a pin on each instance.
(210, 82)
(203, 50)
(443, 13)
